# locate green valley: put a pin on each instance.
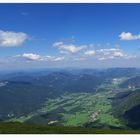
(95, 99)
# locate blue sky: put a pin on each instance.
(69, 35)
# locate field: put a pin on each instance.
(75, 110)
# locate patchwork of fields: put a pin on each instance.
(75, 110)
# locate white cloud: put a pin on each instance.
(68, 47)
(89, 53)
(57, 44)
(105, 54)
(52, 58)
(11, 39)
(129, 36)
(36, 57)
(112, 53)
(31, 56)
(79, 58)
(58, 58)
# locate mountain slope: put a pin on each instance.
(21, 95)
(127, 106)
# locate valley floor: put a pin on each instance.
(75, 110)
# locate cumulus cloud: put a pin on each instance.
(79, 58)
(52, 58)
(58, 58)
(71, 48)
(30, 56)
(112, 53)
(104, 54)
(89, 53)
(57, 44)
(11, 39)
(36, 57)
(129, 36)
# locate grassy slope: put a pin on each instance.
(19, 128)
(127, 103)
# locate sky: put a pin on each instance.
(69, 35)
